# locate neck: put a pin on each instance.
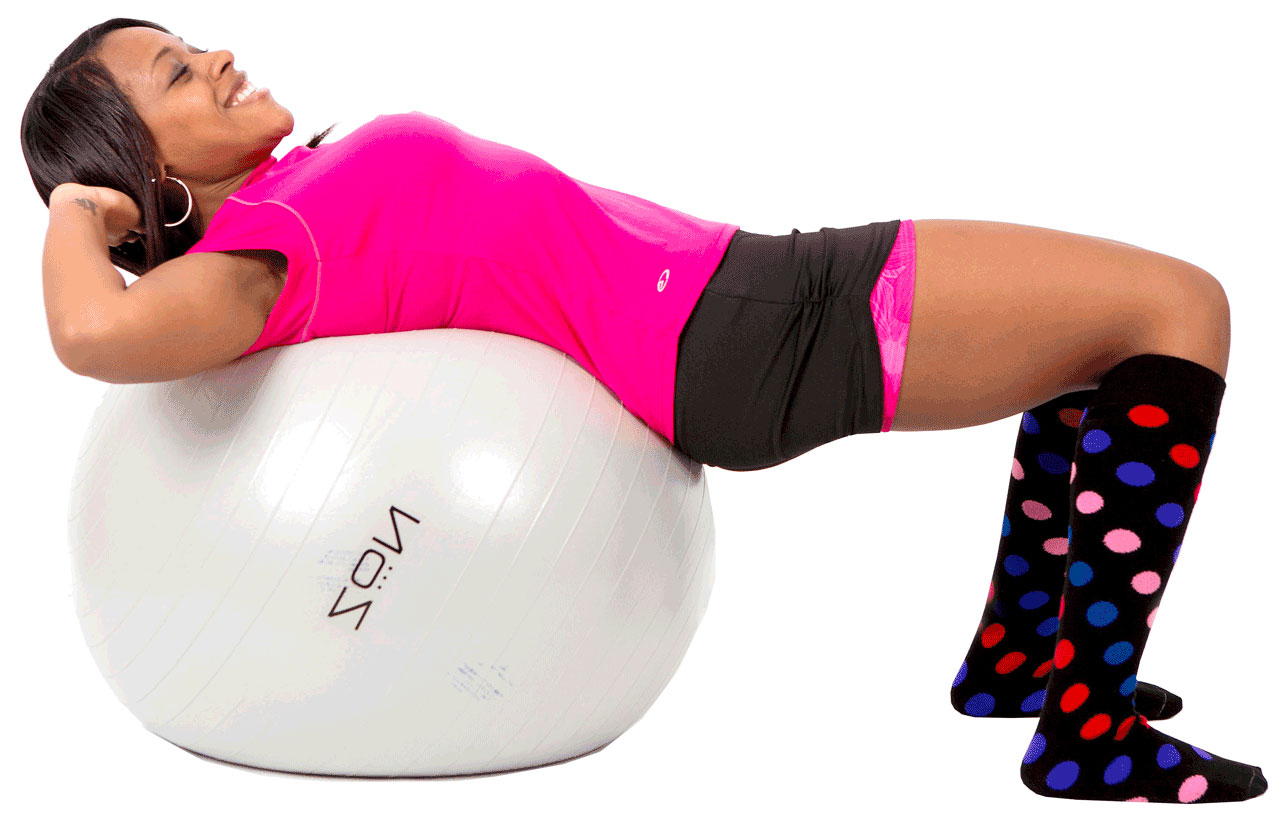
(210, 195)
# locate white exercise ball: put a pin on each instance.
(423, 553)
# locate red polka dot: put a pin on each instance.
(1185, 455)
(1042, 669)
(1142, 719)
(1123, 729)
(1070, 417)
(992, 635)
(1010, 662)
(991, 591)
(1062, 604)
(1195, 497)
(1075, 695)
(1095, 726)
(1063, 653)
(1148, 416)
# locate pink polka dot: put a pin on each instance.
(1088, 502)
(1036, 510)
(1137, 798)
(1018, 473)
(1145, 582)
(1192, 788)
(1056, 545)
(1151, 618)
(1121, 540)
(1072, 478)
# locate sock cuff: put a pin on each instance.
(1164, 380)
(1071, 399)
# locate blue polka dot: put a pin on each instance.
(1206, 756)
(1029, 423)
(1118, 770)
(1211, 436)
(1005, 528)
(1080, 573)
(1016, 565)
(1118, 653)
(1054, 463)
(980, 705)
(1033, 701)
(1048, 626)
(1168, 756)
(1095, 440)
(1170, 515)
(1101, 613)
(1063, 775)
(1033, 600)
(1129, 685)
(1135, 473)
(997, 608)
(964, 670)
(1175, 552)
(1035, 750)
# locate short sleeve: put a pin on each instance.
(271, 225)
(261, 225)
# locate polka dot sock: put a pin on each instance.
(1138, 461)
(1004, 673)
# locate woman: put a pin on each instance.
(743, 350)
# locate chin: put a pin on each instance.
(285, 121)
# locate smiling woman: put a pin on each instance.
(741, 350)
(165, 131)
(129, 101)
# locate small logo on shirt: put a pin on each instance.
(662, 280)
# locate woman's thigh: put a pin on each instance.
(1007, 316)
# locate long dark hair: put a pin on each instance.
(79, 126)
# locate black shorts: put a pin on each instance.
(780, 353)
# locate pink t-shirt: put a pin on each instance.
(410, 223)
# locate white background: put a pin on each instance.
(851, 579)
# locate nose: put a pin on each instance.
(219, 61)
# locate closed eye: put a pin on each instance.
(186, 70)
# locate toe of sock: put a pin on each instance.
(1172, 705)
(1258, 785)
(1156, 702)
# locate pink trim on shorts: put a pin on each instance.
(891, 311)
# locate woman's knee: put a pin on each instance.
(1187, 315)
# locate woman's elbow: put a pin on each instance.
(72, 351)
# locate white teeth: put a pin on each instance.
(245, 91)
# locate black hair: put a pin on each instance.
(79, 126)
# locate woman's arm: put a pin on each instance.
(187, 315)
(81, 285)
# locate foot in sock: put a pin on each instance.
(1007, 667)
(1138, 463)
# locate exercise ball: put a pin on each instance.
(411, 554)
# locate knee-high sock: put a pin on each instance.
(1005, 671)
(1138, 463)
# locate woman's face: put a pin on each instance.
(181, 94)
